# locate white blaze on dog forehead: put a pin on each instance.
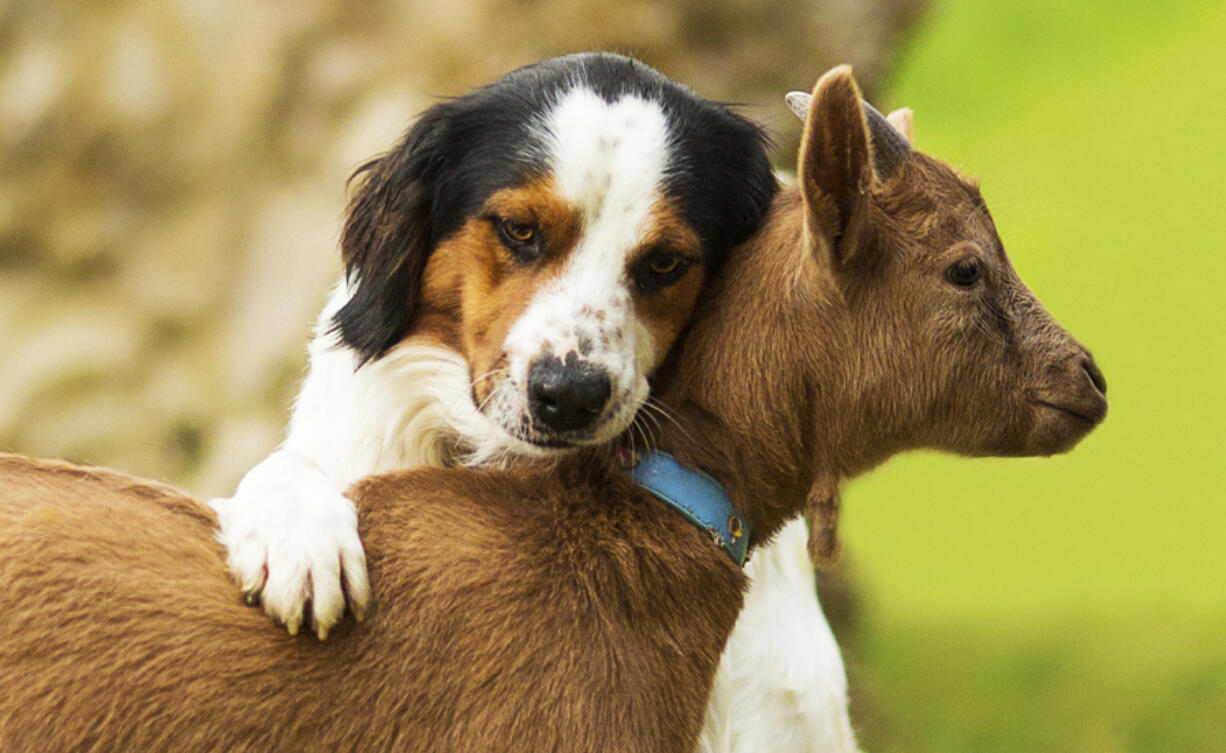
(608, 160)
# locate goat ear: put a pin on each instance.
(835, 166)
(386, 240)
(903, 120)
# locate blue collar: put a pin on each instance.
(698, 496)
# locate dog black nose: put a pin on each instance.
(1096, 376)
(567, 396)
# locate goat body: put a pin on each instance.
(514, 610)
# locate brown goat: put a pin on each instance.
(558, 608)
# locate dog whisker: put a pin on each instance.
(661, 411)
(638, 426)
(649, 426)
(489, 375)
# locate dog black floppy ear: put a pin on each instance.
(387, 239)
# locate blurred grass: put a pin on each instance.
(1074, 603)
(1142, 684)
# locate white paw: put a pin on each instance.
(290, 537)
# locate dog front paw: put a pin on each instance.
(292, 545)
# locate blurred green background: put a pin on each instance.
(1076, 603)
(171, 181)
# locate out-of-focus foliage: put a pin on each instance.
(172, 177)
(1151, 683)
(1099, 145)
(1075, 603)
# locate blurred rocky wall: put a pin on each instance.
(172, 177)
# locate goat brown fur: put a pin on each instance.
(124, 631)
(557, 608)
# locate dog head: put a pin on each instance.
(554, 227)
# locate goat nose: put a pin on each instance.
(567, 396)
(1096, 376)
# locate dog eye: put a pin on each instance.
(963, 273)
(519, 232)
(659, 269)
(663, 264)
(522, 239)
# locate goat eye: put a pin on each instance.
(964, 273)
(659, 269)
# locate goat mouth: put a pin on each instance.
(1080, 415)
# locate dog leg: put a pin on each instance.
(781, 684)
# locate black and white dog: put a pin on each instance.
(516, 268)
